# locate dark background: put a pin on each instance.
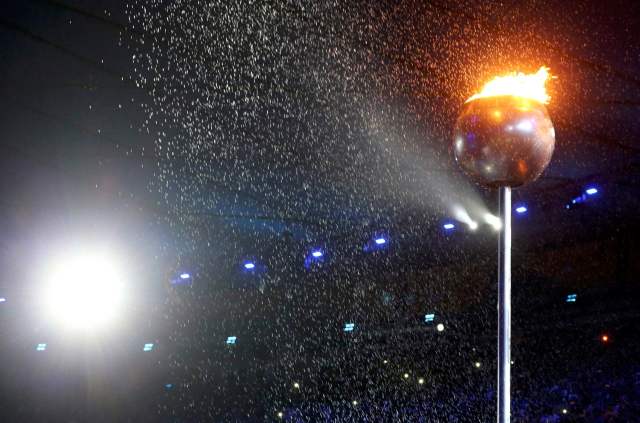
(293, 168)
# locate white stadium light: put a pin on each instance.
(84, 292)
(493, 221)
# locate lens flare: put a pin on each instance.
(518, 84)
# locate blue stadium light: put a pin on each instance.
(429, 318)
(249, 265)
(521, 209)
(349, 327)
(147, 347)
(231, 340)
(571, 298)
(3, 299)
(591, 191)
(41, 347)
(314, 257)
(448, 226)
(183, 278)
(379, 241)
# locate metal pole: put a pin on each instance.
(504, 308)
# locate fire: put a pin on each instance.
(518, 84)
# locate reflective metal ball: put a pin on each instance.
(503, 140)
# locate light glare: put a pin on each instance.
(85, 292)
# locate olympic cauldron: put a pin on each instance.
(503, 141)
(504, 138)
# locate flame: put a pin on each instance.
(518, 84)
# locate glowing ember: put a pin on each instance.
(518, 84)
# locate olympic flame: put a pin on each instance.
(518, 84)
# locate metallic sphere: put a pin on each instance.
(503, 140)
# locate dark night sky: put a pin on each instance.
(71, 127)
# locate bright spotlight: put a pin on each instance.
(184, 276)
(462, 215)
(249, 265)
(147, 347)
(477, 364)
(380, 241)
(448, 226)
(354, 402)
(317, 253)
(296, 385)
(440, 327)
(231, 340)
(41, 347)
(591, 191)
(493, 221)
(406, 375)
(84, 292)
(421, 381)
(3, 299)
